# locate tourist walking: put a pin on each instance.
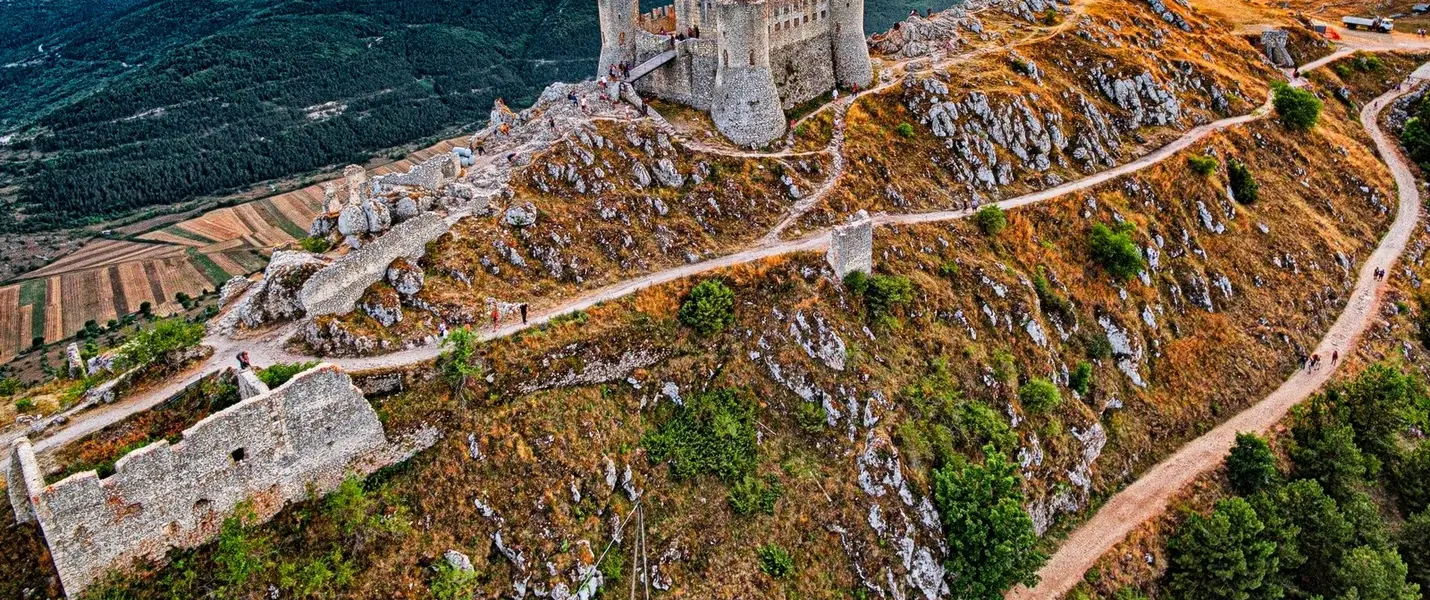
(243, 362)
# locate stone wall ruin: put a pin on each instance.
(335, 289)
(851, 246)
(1273, 41)
(302, 438)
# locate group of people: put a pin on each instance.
(1315, 360)
(1380, 274)
(1420, 32)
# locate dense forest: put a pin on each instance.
(161, 101)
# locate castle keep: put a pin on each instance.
(743, 61)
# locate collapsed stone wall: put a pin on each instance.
(804, 70)
(336, 288)
(304, 437)
(23, 480)
(1273, 41)
(851, 247)
(430, 175)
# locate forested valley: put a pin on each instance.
(112, 106)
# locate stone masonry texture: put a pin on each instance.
(337, 287)
(851, 247)
(752, 60)
(302, 438)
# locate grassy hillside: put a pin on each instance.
(166, 100)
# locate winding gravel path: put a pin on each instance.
(1147, 497)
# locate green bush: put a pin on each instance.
(1415, 137)
(1323, 447)
(241, 553)
(321, 577)
(991, 219)
(713, 433)
(1051, 300)
(1412, 479)
(1115, 251)
(1298, 109)
(811, 416)
(1080, 380)
(1415, 547)
(24, 405)
(1244, 187)
(905, 130)
(880, 292)
(1039, 396)
(992, 544)
(1202, 164)
(949, 269)
(457, 362)
(278, 374)
(710, 308)
(775, 561)
(316, 245)
(1251, 466)
(160, 339)
(451, 583)
(754, 494)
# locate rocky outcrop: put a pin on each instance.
(337, 287)
(276, 297)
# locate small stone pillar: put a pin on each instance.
(851, 246)
(1273, 42)
(249, 385)
(355, 177)
(75, 362)
(23, 480)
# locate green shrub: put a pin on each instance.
(1051, 300)
(160, 339)
(1415, 137)
(991, 219)
(1202, 164)
(457, 362)
(24, 405)
(278, 374)
(992, 544)
(754, 494)
(451, 583)
(240, 553)
(1244, 187)
(316, 245)
(1039, 396)
(709, 308)
(1342, 70)
(811, 416)
(905, 130)
(321, 577)
(880, 292)
(1251, 466)
(948, 269)
(713, 433)
(362, 515)
(775, 561)
(1096, 346)
(1115, 251)
(1080, 379)
(1298, 109)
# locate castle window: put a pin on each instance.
(837, 27)
(752, 58)
(727, 59)
(623, 37)
(823, 14)
(238, 455)
(806, 18)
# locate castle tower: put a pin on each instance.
(851, 52)
(746, 104)
(618, 27)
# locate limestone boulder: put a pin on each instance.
(352, 221)
(232, 289)
(379, 219)
(322, 226)
(382, 303)
(275, 298)
(404, 209)
(405, 277)
(521, 216)
(249, 385)
(667, 174)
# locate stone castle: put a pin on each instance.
(744, 61)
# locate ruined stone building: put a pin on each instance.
(277, 447)
(744, 61)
